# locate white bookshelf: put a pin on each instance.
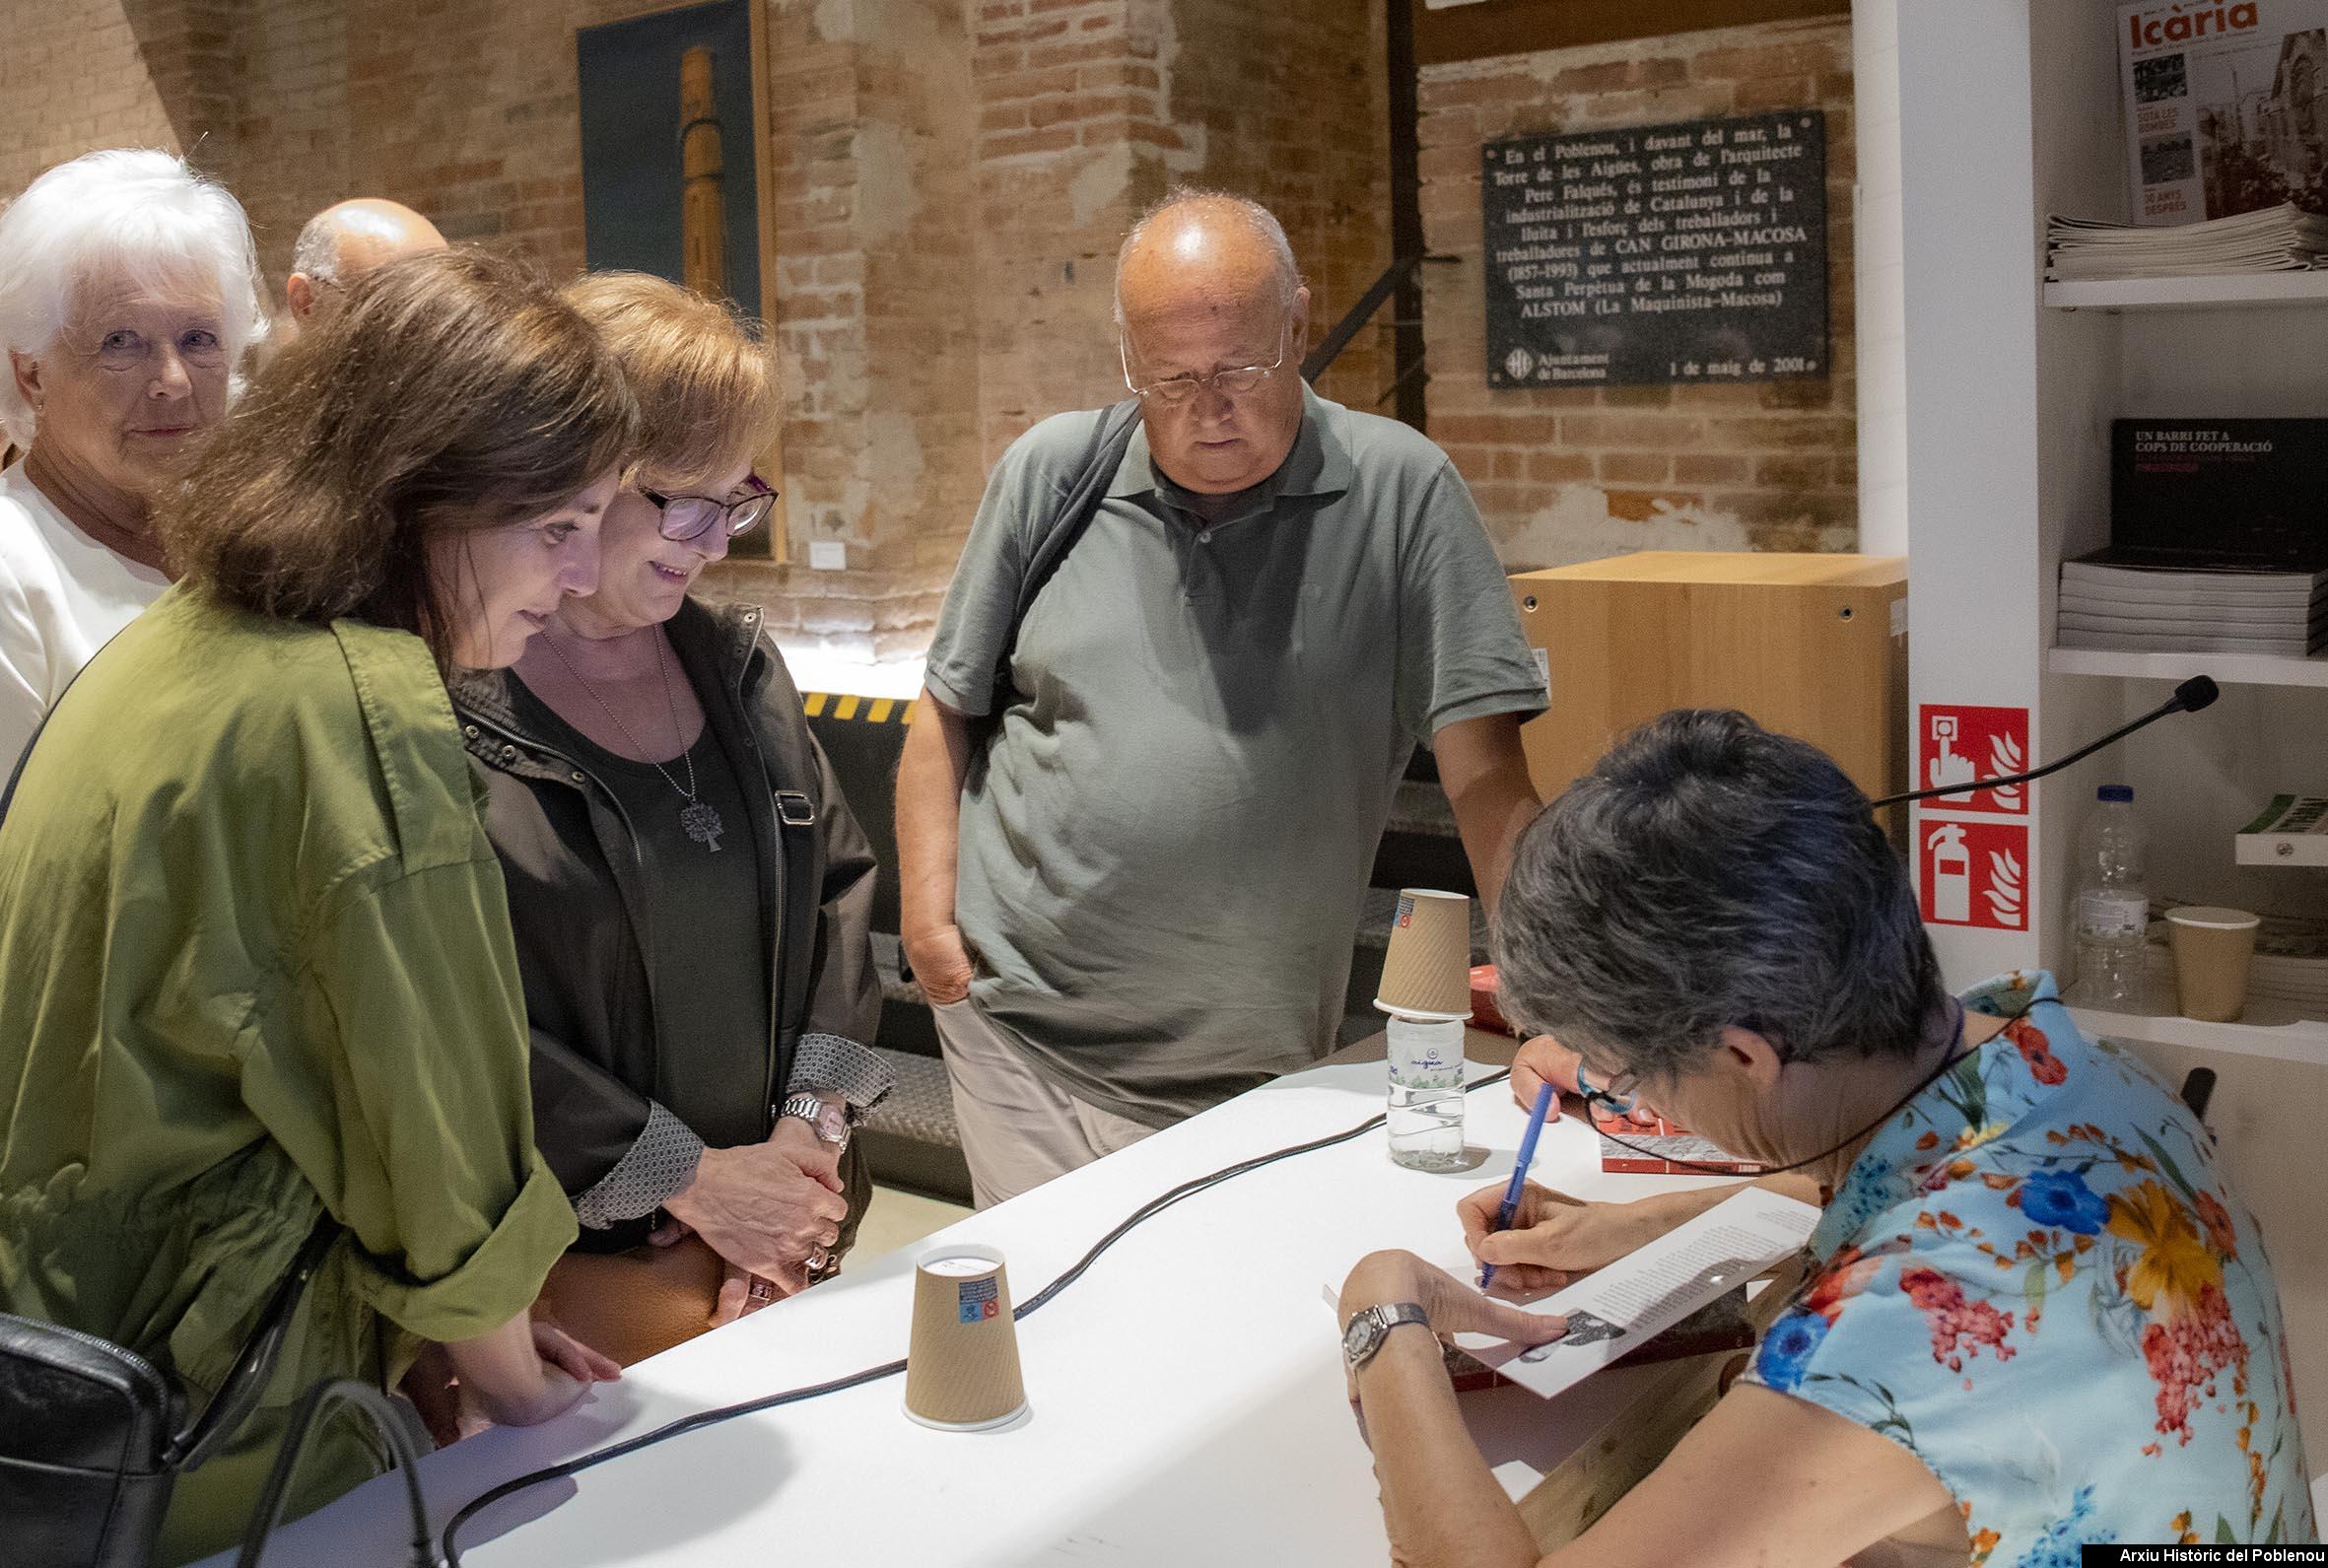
(2228, 669)
(2010, 111)
(2268, 1028)
(2229, 292)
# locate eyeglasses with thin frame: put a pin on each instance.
(1178, 391)
(690, 517)
(1619, 1093)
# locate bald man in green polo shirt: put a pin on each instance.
(1131, 879)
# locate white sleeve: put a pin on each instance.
(23, 669)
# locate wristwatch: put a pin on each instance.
(1371, 1325)
(829, 1120)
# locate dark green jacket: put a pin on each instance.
(582, 925)
(256, 964)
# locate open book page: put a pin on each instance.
(1615, 1310)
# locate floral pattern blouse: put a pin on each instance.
(2034, 1280)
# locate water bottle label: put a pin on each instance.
(1425, 1065)
(2113, 917)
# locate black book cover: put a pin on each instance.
(2208, 494)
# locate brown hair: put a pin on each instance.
(453, 392)
(707, 387)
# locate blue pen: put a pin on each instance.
(1510, 1209)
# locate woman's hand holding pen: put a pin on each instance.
(1552, 1238)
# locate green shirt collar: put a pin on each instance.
(1318, 466)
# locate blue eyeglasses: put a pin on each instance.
(1621, 1095)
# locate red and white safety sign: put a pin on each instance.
(1974, 873)
(1956, 744)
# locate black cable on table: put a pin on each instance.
(1041, 1298)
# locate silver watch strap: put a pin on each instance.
(1386, 1316)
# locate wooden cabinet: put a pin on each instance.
(1814, 645)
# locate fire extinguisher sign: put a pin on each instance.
(1975, 873)
(1972, 849)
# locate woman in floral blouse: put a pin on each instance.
(2035, 1317)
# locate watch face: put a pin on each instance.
(832, 1123)
(1358, 1336)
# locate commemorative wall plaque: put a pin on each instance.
(1687, 253)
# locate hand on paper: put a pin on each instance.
(764, 1208)
(1554, 1237)
(1453, 1305)
(941, 964)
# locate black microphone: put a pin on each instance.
(2191, 695)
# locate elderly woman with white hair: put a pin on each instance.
(128, 290)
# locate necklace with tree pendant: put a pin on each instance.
(697, 817)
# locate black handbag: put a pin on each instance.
(92, 1436)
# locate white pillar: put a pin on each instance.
(1880, 313)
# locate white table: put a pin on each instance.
(1186, 1393)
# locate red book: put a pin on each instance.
(1655, 1148)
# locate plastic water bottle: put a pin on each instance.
(2113, 912)
(1425, 1112)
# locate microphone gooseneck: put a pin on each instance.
(2192, 695)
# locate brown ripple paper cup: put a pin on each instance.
(2214, 949)
(962, 1363)
(1427, 971)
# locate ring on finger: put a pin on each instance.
(762, 1292)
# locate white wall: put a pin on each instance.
(1880, 313)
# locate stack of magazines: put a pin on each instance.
(2269, 239)
(2134, 608)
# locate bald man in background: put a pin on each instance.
(344, 242)
(1131, 878)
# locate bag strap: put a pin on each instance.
(803, 845)
(239, 1395)
(1103, 454)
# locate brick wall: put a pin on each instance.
(73, 76)
(1573, 473)
(1089, 111)
(951, 179)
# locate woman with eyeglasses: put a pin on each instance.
(2034, 1315)
(690, 894)
(128, 290)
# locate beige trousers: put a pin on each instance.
(1019, 1130)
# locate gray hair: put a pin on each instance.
(131, 213)
(1709, 874)
(316, 251)
(1243, 211)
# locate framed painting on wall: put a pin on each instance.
(672, 180)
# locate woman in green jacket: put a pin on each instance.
(256, 964)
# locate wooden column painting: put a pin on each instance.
(673, 180)
(703, 222)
